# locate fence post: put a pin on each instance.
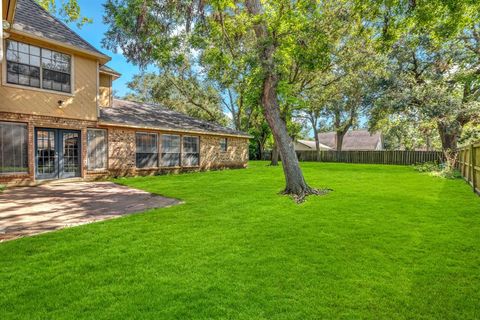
(473, 162)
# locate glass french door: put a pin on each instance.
(58, 153)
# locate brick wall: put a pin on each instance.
(36, 121)
(212, 157)
(121, 149)
(122, 158)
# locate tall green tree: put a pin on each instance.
(435, 82)
(67, 10)
(267, 35)
(184, 93)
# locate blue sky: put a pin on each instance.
(94, 32)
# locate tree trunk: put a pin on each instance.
(274, 161)
(295, 182)
(449, 134)
(260, 151)
(339, 144)
(339, 140)
(317, 142)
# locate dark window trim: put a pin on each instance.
(156, 154)
(41, 68)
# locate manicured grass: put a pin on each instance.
(388, 243)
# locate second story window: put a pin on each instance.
(36, 67)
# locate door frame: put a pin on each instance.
(59, 156)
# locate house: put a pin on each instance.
(58, 117)
(307, 145)
(360, 140)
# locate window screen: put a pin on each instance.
(97, 149)
(170, 150)
(147, 150)
(190, 156)
(13, 148)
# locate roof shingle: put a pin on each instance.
(152, 116)
(353, 140)
(30, 17)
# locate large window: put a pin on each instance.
(97, 149)
(36, 67)
(147, 150)
(13, 148)
(190, 156)
(170, 150)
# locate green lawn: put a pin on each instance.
(387, 243)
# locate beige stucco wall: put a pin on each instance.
(105, 90)
(82, 104)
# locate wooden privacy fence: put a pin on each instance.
(373, 157)
(469, 163)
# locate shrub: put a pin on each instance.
(438, 170)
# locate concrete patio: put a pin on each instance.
(32, 210)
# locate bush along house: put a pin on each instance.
(58, 117)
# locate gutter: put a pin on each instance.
(210, 133)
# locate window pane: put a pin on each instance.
(97, 149)
(13, 148)
(35, 61)
(22, 47)
(146, 150)
(190, 155)
(23, 64)
(170, 143)
(223, 144)
(35, 51)
(170, 150)
(56, 80)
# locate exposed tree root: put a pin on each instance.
(300, 196)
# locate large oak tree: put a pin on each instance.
(268, 36)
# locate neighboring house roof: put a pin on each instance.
(150, 116)
(311, 144)
(353, 140)
(31, 18)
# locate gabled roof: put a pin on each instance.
(150, 116)
(31, 18)
(106, 69)
(312, 145)
(353, 140)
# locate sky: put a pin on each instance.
(94, 33)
